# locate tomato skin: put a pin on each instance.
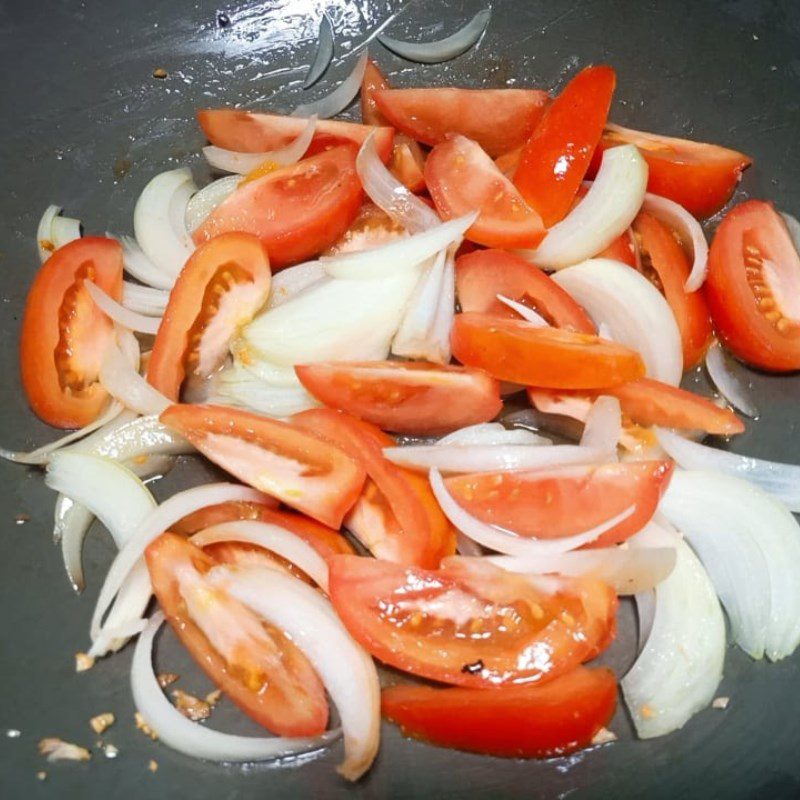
(404, 616)
(292, 701)
(302, 470)
(239, 256)
(514, 722)
(405, 397)
(516, 351)
(46, 355)
(483, 274)
(497, 119)
(751, 233)
(621, 249)
(550, 504)
(296, 211)
(555, 158)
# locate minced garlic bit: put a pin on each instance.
(720, 702)
(102, 721)
(153, 765)
(58, 750)
(166, 678)
(144, 727)
(604, 736)
(109, 751)
(83, 662)
(190, 706)
(160, 73)
(41, 775)
(212, 698)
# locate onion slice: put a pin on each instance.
(727, 383)
(191, 738)
(72, 523)
(293, 280)
(309, 620)
(438, 341)
(138, 265)
(324, 53)
(144, 299)
(506, 542)
(236, 386)
(442, 49)
(526, 313)
(44, 232)
(65, 230)
(121, 380)
(492, 434)
(121, 315)
(337, 101)
(603, 427)
(207, 199)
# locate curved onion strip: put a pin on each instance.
(191, 738)
(680, 667)
(159, 220)
(278, 540)
(337, 101)
(398, 255)
(782, 481)
(526, 313)
(492, 433)
(122, 381)
(727, 383)
(603, 427)
(466, 547)
(645, 614)
(324, 53)
(72, 523)
(64, 230)
(750, 545)
(144, 299)
(612, 203)
(293, 280)
(44, 232)
(235, 386)
(168, 513)
(443, 49)
(678, 218)
(136, 263)
(121, 315)
(506, 542)
(309, 620)
(490, 458)
(438, 346)
(389, 194)
(208, 198)
(271, 374)
(242, 163)
(634, 310)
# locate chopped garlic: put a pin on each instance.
(604, 736)
(190, 706)
(212, 698)
(110, 751)
(166, 678)
(720, 702)
(153, 765)
(102, 721)
(83, 662)
(41, 775)
(142, 725)
(58, 750)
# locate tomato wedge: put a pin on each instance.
(470, 623)
(64, 335)
(665, 263)
(555, 158)
(552, 504)
(497, 119)
(516, 351)
(256, 665)
(701, 177)
(296, 211)
(513, 722)
(462, 178)
(621, 249)
(397, 516)
(252, 132)
(372, 227)
(222, 286)
(278, 459)
(405, 396)
(483, 274)
(753, 287)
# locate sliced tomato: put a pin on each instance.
(326, 541)
(665, 263)
(222, 286)
(462, 178)
(498, 119)
(397, 516)
(470, 623)
(296, 211)
(373, 81)
(483, 274)
(516, 351)
(405, 396)
(372, 227)
(555, 158)
(251, 132)
(256, 665)
(64, 334)
(513, 722)
(552, 504)
(753, 287)
(621, 249)
(699, 176)
(299, 469)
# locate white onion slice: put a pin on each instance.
(612, 203)
(44, 232)
(399, 255)
(324, 53)
(492, 433)
(122, 381)
(603, 427)
(634, 310)
(389, 194)
(236, 386)
(438, 347)
(118, 313)
(72, 523)
(293, 280)
(203, 202)
(453, 458)
(680, 667)
(337, 101)
(526, 313)
(506, 542)
(727, 383)
(278, 540)
(65, 230)
(191, 738)
(750, 544)
(678, 218)
(346, 670)
(159, 220)
(275, 376)
(138, 265)
(443, 49)
(144, 299)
